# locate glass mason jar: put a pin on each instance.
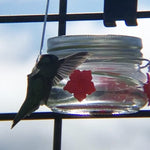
(115, 65)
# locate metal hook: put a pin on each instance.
(148, 63)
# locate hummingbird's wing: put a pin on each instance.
(68, 64)
(35, 92)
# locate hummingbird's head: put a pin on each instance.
(47, 60)
(48, 65)
(44, 59)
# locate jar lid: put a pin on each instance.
(64, 42)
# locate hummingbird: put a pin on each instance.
(48, 71)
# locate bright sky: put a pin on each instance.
(19, 47)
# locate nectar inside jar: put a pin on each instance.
(108, 82)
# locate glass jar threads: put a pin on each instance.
(114, 63)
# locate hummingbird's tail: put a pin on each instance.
(24, 111)
(16, 120)
(20, 115)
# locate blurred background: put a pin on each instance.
(19, 47)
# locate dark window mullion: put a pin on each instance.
(62, 17)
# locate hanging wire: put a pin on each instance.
(146, 65)
(44, 28)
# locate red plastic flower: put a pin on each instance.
(80, 84)
(147, 87)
